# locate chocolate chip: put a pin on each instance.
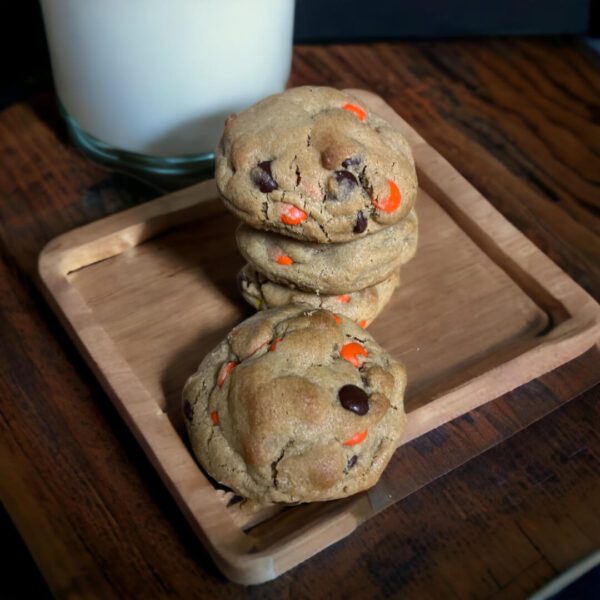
(345, 178)
(328, 159)
(361, 222)
(265, 165)
(188, 411)
(263, 178)
(351, 161)
(354, 399)
(340, 185)
(346, 182)
(351, 461)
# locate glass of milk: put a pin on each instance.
(145, 85)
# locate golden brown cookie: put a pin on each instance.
(330, 268)
(296, 405)
(314, 163)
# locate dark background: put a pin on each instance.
(25, 67)
(319, 20)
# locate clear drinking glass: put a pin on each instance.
(145, 85)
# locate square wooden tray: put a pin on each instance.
(147, 292)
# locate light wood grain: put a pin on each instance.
(147, 292)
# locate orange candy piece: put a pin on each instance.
(214, 417)
(357, 438)
(362, 323)
(274, 343)
(284, 259)
(352, 351)
(225, 371)
(337, 318)
(391, 202)
(344, 298)
(357, 110)
(292, 215)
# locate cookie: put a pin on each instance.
(295, 405)
(314, 163)
(362, 306)
(330, 268)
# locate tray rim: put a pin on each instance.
(576, 328)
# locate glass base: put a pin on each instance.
(165, 173)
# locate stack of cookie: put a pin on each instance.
(299, 404)
(325, 190)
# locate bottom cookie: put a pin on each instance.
(362, 306)
(295, 405)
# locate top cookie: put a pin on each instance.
(315, 164)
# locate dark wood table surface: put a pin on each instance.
(520, 119)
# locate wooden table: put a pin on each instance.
(519, 120)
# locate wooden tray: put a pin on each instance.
(147, 292)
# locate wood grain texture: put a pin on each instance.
(84, 497)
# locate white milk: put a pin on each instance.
(158, 77)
